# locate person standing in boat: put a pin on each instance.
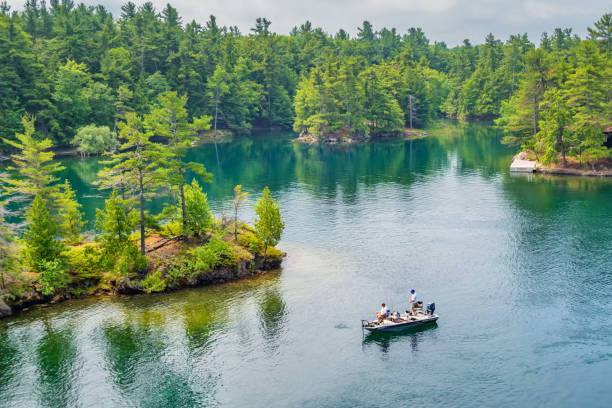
(384, 312)
(413, 301)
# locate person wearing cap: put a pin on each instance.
(384, 312)
(413, 301)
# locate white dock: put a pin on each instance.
(520, 164)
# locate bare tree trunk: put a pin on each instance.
(142, 217)
(269, 109)
(263, 265)
(216, 114)
(535, 114)
(410, 98)
(183, 209)
(235, 222)
(348, 111)
(560, 141)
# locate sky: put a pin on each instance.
(442, 20)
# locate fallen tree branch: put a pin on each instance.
(156, 247)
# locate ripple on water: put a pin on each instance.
(520, 269)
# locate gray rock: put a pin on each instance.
(5, 310)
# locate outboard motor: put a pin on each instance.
(431, 308)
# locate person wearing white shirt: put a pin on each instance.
(413, 301)
(384, 312)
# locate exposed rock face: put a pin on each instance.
(129, 287)
(5, 310)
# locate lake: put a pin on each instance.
(520, 268)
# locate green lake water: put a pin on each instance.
(520, 268)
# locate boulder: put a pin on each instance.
(5, 310)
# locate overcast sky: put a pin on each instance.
(442, 20)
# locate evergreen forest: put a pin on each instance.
(79, 71)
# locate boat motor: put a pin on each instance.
(431, 307)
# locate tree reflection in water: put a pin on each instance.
(138, 360)
(272, 312)
(56, 356)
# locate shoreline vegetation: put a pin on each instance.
(572, 167)
(141, 88)
(177, 264)
(346, 138)
(79, 71)
(45, 258)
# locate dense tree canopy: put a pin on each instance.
(75, 66)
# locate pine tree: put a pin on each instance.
(382, 110)
(41, 236)
(602, 33)
(70, 215)
(169, 120)
(7, 247)
(217, 87)
(239, 199)
(269, 225)
(114, 225)
(138, 161)
(33, 167)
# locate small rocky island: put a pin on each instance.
(346, 138)
(172, 263)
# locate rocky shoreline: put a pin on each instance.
(134, 285)
(345, 138)
(573, 172)
(523, 163)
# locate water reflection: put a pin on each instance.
(411, 336)
(272, 313)
(324, 171)
(56, 357)
(138, 361)
(9, 357)
(532, 254)
(203, 321)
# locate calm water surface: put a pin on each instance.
(520, 269)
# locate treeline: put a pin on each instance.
(73, 66)
(149, 164)
(563, 99)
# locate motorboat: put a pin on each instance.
(397, 322)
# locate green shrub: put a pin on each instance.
(154, 283)
(94, 140)
(114, 225)
(130, 260)
(249, 240)
(152, 222)
(214, 253)
(85, 261)
(52, 276)
(171, 229)
(199, 217)
(273, 253)
(182, 268)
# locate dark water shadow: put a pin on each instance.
(385, 339)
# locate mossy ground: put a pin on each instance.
(172, 263)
